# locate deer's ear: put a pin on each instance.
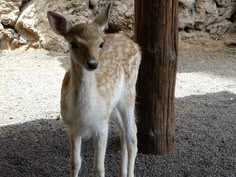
(58, 23)
(102, 18)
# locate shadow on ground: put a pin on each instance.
(206, 145)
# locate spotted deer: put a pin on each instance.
(100, 85)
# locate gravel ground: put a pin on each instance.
(33, 142)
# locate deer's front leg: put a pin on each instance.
(100, 143)
(75, 150)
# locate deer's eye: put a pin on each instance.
(74, 45)
(101, 44)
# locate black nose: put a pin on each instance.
(92, 64)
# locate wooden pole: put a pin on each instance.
(156, 31)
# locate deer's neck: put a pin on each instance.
(84, 85)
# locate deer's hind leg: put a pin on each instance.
(116, 116)
(126, 109)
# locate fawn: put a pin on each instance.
(100, 85)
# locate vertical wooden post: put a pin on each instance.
(156, 30)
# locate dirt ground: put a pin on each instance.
(33, 142)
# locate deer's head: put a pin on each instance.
(85, 40)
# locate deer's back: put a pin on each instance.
(119, 64)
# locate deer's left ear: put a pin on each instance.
(59, 24)
(102, 18)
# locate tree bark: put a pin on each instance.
(156, 31)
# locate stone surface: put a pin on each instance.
(27, 22)
(93, 3)
(206, 12)
(1, 26)
(193, 35)
(219, 28)
(9, 11)
(197, 18)
(201, 16)
(33, 24)
(186, 14)
(9, 39)
(186, 3)
(222, 3)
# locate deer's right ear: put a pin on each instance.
(102, 18)
(58, 23)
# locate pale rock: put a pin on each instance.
(33, 23)
(219, 28)
(187, 3)
(221, 11)
(222, 3)
(1, 27)
(196, 14)
(122, 8)
(211, 7)
(186, 18)
(129, 13)
(27, 23)
(196, 17)
(193, 35)
(227, 12)
(93, 3)
(116, 3)
(122, 16)
(33, 26)
(206, 13)
(22, 40)
(8, 39)
(9, 11)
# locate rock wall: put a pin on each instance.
(199, 18)
(24, 22)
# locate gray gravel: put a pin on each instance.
(33, 143)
